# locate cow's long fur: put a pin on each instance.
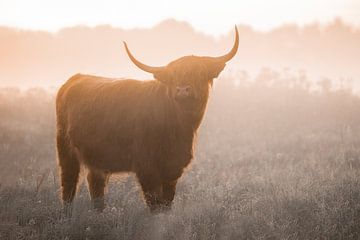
(112, 125)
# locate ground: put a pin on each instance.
(271, 163)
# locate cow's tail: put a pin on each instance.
(68, 162)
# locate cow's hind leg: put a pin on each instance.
(97, 181)
(69, 172)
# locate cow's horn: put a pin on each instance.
(140, 65)
(233, 51)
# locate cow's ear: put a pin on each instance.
(215, 69)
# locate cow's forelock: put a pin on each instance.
(191, 75)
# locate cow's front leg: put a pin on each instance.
(152, 189)
(97, 181)
(169, 188)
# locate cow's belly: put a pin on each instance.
(108, 159)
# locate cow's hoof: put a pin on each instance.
(67, 210)
(98, 204)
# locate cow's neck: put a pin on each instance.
(192, 117)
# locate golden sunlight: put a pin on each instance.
(214, 17)
(159, 119)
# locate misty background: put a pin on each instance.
(277, 155)
(39, 58)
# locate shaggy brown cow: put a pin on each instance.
(145, 127)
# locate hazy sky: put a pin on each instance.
(209, 16)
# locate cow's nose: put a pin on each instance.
(183, 90)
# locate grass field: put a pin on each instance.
(273, 161)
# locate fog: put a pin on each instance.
(276, 157)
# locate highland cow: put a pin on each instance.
(144, 127)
